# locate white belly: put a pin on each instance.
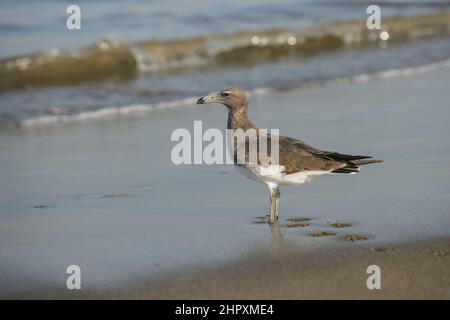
(275, 174)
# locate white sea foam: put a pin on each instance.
(107, 112)
(143, 108)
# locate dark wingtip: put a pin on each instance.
(363, 162)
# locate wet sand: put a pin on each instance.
(104, 195)
(283, 270)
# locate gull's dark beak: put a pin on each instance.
(207, 99)
(201, 100)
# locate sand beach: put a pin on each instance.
(103, 194)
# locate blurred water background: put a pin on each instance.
(134, 56)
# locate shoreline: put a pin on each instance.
(410, 270)
(127, 215)
(136, 110)
(286, 270)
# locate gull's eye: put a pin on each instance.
(225, 94)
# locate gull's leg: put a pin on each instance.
(273, 203)
(272, 207)
(277, 203)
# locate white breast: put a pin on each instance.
(275, 174)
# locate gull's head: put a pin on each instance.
(233, 98)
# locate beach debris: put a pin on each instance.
(355, 237)
(381, 249)
(113, 195)
(41, 206)
(440, 253)
(297, 219)
(322, 234)
(340, 225)
(295, 225)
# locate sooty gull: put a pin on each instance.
(298, 162)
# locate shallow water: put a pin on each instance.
(155, 56)
(28, 26)
(85, 170)
(104, 194)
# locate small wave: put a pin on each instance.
(106, 59)
(106, 112)
(112, 60)
(144, 108)
(364, 77)
(394, 73)
(413, 70)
